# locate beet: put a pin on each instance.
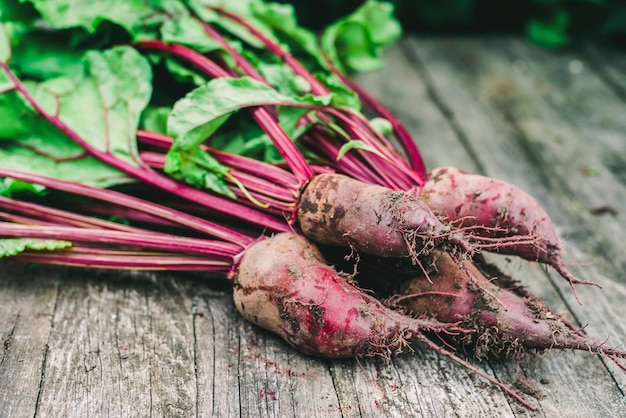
(338, 210)
(506, 321)
(284, 285)
(509, 219)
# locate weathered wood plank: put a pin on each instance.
(216, 348)
(610, 64)
(121, 345)
(26, 311)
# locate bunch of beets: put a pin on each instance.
(258, 177)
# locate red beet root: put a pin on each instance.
(338, 210)
(284, 285)
(512, 220)
(505, 322)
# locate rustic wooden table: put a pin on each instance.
(80, 343)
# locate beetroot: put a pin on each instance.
(506, 321)
(284, 285)
(496, 209)
(338, 210)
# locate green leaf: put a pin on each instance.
(257, 144)
(11, 247)
(6, 83)
(188, 31)
(356, 42)
(140, 18)
(31, 144)
(356, 144)
(183, 74)
(5, 45)
(115, 88)
(382, 125)
(199, 169)
(289, 119)
(15, 11)
(341, 95)
(11, 187)
(239, 140)
(198, 115)
(84, 170)
(551, 32)
(242, 8)
(88, 13)
(102, 104)
(284, 79)
(281, 18)
(276, 21)
(155, 119)
(43, 55)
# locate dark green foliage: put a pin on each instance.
(548, 22)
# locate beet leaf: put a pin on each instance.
(12, 246)
(356, 42)
(132, 15)
(200, 114)
(102, 104)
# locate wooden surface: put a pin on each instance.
(80, 343)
